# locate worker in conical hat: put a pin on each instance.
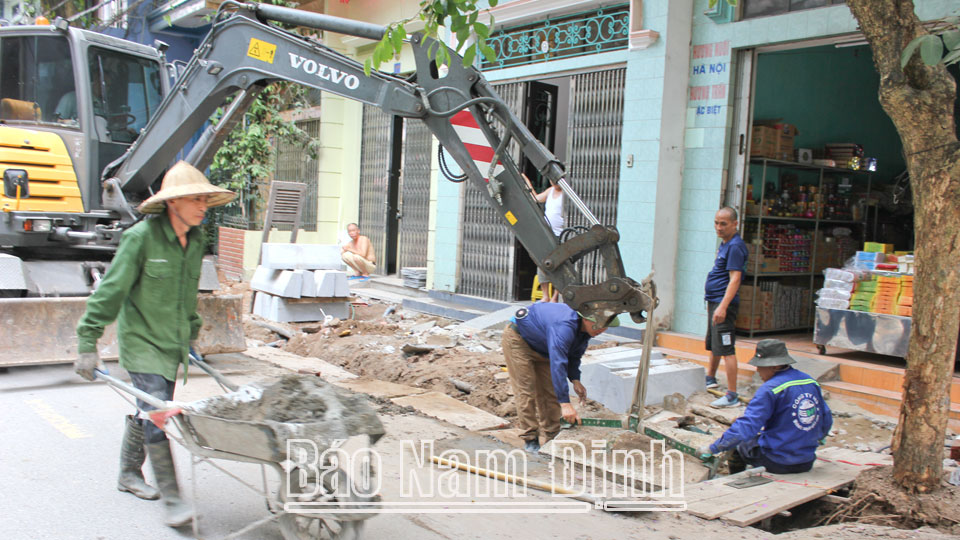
(151, 290)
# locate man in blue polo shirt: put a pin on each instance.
(723, 284)
(785, 421)
(542, 345)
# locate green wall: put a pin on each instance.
(830, 94)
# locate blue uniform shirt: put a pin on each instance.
(732, 255)
(793, 415)
(553, 331)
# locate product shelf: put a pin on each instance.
(755, 274)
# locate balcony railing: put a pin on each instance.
(589, 32)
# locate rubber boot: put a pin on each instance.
(132, 455)
(179, 513)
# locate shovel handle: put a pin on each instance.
(211, 371)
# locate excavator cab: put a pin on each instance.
(71, 102)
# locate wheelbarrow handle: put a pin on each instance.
(153, 401)
(213, 372)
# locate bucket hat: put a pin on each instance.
(771, 352)
(614, 322)
(184, 180)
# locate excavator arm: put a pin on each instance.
(243, 54)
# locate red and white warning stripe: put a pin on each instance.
(480, 150)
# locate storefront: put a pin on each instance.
(825, 176)
(784, 125)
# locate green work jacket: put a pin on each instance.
(151, 290)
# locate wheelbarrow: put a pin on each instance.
(316, 497)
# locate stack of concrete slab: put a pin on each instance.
(300, 282)
(414, 276)
(609, 375)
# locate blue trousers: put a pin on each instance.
(158, 387)
(750, 453)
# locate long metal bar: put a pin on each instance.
(132, 390)
(577, 201)
(320, 21)
(210, 370)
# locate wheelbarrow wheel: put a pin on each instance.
(321, 526)
(295, 527)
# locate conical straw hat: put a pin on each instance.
(184, 180)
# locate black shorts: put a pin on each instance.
(721, 338)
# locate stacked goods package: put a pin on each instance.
(905, 302)
(866, 289)
(888, 291)
(838, 285)
(756, 308)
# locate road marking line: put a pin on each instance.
(58, 421)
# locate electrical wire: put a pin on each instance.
(445, 169)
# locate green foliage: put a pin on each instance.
(459, 16)
(941, 45)
(245, 160)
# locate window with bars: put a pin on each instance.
(764, 8)
(294, 164)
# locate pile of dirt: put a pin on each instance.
(375, 351)
(876, 499)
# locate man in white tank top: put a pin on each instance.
(553, 198)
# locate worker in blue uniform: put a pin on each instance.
(542, 346)
(785, 421)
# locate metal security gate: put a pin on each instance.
(487, 243)
(596, 125)
(415, 193)
(375, 154)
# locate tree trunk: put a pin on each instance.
(920, 99)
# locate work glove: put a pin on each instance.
(85, 365)
(704, 452)
(195, 349)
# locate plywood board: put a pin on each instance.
(380, 389)
(777, 497)
(584, 440)
(835, 467)
(444, 407)
(714, 507)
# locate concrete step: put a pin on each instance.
(885, 402)
(376, 294)
(443, 309)
(392, 284)
(866, 374)
(472, 302)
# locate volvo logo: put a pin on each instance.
(325, 72)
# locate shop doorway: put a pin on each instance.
(380, 159)
(817, 170)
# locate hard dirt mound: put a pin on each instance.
(381, 358)
(877, 500)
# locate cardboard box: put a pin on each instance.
(787, 133)
(764, 142)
